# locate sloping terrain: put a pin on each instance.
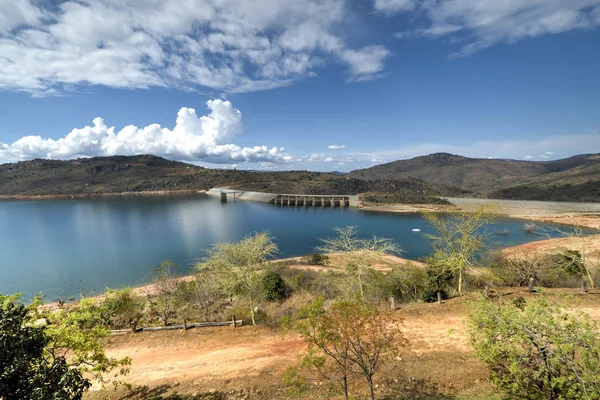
(88, 176)
(575, 178)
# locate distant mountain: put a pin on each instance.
(575, 178)
(419, 180)
(88, 176)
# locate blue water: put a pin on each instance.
(63, 248)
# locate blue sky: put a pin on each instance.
(276, 83)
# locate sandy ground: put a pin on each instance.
(580, 214)
(252, 360)
(586, 245)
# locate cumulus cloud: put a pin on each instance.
(336, 146)
(528, 158)
(487, 22)
(227, 45)
(206, 138)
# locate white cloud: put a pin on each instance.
(487, 22)
(365, 64)
(393, 6)
(320, 157)
(336, 147)
(226, 45)
(528, 158)
(206, 138)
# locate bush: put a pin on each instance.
(25, 372)
(548, 271)
(124, 307)
(406, 283)
(318, 259)
(272, 286)
(439, 279)
(430, 295)
(536, 351)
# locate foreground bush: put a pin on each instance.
(25, 371)
(537, 351)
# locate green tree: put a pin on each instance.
(237, 266)
(76, 333)
(359, 254)
(273, 286)
(25, 370)
(459, 240)
(348, 338)
(536, 350)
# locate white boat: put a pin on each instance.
(416, 230)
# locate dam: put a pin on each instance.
(295, 200)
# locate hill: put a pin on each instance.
(574, 179)
(97, 175)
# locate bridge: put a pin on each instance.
(295, 200)
(312, 200)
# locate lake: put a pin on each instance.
(62, 248)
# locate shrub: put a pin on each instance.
(124, 307)
(272, 286)
(548, 271)
(318, 259)
(537, 351)
(439, 279)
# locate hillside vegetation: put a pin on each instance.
(98, 175)
(572, 179)
(418, 180)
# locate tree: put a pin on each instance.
(237, 266)
(125, 307)
(460, 240)
(273, 286)
(76, 333)
(537, 351)
(25, 372)
(359, 254)
(348, 338)
(163, 291)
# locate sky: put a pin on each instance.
(299, 84)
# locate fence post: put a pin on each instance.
(233, 322)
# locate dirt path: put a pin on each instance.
(253, 360)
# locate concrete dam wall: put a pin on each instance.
(226, 194)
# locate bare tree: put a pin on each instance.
(349, 338)
(162, 294)
(360, 254)
(459, 240)
(237, 266)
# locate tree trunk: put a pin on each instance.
(133, 326)
(185, 324)
(460, 279)
(371, 391)
(439, 296)
(345, 379)
(252, 313)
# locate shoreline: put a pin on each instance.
(106, 194)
